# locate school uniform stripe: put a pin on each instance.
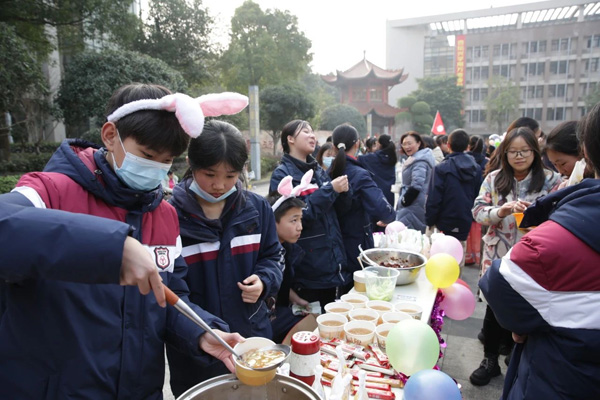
(200, 252)
(32, 195)
(245, 244)
(572, 310)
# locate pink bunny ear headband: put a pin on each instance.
(189, 111)
(286, 190)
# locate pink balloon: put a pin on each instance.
(395, 227)
(449, 245)
(458, 303)
(465, 284)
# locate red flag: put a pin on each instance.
(438, 125)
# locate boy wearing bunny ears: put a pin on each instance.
(73, 330)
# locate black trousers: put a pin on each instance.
(495, 335)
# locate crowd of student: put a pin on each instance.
(74, 326)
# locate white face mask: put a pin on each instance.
(194, 187)
(139, 173)
(327, 161)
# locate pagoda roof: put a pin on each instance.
(366, 69)
(383, 110)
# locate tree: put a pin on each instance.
(92, 77)
(417, 114)
(281, 104)
(502, 102)
(21, 82)
(177, 32)
(443, 95)
(266, 48)
(342, 114)
(593, 98)
(321, 94)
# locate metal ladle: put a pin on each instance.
(362, 253)
(183, 308)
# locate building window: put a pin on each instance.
(485, 52)
(558, 67)
(485, 73)
(375, 95)
(539, 92)
(555, 114)
(496, 52)
(359, 94)
(591, 65)
(593, 41)
(483, 94)
(475, 95)
(542, 46)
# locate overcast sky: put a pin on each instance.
(340, 30)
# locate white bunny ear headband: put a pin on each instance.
(286, 190)
(189, 111)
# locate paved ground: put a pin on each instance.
(464, 351)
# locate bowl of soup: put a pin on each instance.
(248, 351)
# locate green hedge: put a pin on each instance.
(268, 164)
(24, 162)
(18, 148)
(7, 183)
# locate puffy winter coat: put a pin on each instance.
(368, 204)
(324, 263)
(455, 185)
(74, 331)
(384, 172)
(220, 253)
(416, 176)
(548, 288)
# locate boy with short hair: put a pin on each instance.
(72, 330)
(288, 219)
(456, 182)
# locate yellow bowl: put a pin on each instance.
(249, 376)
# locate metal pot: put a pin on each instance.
(407, 275)
(228, 387)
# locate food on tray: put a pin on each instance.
(396, 262)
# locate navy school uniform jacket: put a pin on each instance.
(456, 183)
(221, 253)
(384, 172)
(72, 331)
(324, 263)
(548, 288)
(368, 204)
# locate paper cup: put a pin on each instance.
(357, 300)
(412, 309)
(338, 307)
(331, 326)
(364, 314)
(381, 307)
(394, 317)
(359, 332)
(381, 333)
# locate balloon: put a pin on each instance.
(459, 302)
(449, 245)
(442, 270)
(431, 384)
(394, 227)
(465, 284)
(412, 346)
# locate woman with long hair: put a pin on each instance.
(382, 164)
(565, 152)
(368, 202)
(322, 272)
(519, 181)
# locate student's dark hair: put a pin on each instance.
(370, 142)
(416, 136)
(524, 121)
(220, 142)
(156, 129)
(458, 140)
(292, 129)
(292, 202)
(505, 178)
(344, 137)
(589, 131)
(563, 139)
(326, 146)
(388, 147)
(429, 142)
(329, 139)
(440, 140)
(476, 144)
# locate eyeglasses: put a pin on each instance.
(519, 153)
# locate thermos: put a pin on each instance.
(305, 356)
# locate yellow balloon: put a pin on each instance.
(442, 270)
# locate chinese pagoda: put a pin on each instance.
(365, 86)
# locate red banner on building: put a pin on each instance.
(460, 60)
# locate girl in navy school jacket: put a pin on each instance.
(229, 242)
(368, 201)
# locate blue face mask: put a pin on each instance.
(327, 161)
(139, 173)
(207, 196)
